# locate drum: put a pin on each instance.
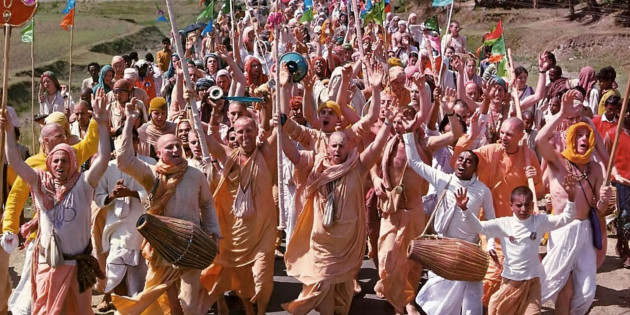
(181, 242)
(450, 258)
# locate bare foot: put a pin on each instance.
(357, 287)
(104, 306)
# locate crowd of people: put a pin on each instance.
(386, 129)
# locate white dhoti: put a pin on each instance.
(125, 264)
(571, 250)
(441, 296)
(20, 302)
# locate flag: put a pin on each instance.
(366, 8)
(441, 3)
(376, 13)
(432, 24)
(207, 29)
(308, 11)
(497, 41)
(160, 13)
(207, 13)
(68, 20)
(27, 32)
(69, 6)
(226, 8)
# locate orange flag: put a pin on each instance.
(68, 20)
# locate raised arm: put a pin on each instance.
(545, 148)
(370, 155)
(125, 157)
(541, 86)
(101, 116)
(376, 79)
(445, 139)
(458, 65)
(288, 146)
(430, 174)
(309, 106)
(237, 74)
(20, 167)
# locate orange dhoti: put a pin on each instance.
(517, 298)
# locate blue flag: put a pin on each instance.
(441, 3)
(69, 6)
(208, 29)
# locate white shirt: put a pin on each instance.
(521, 254)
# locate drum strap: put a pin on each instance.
(437, 205)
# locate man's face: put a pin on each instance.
(449, 53)
(522, 206)
(554, 105)
(463, 112)
(397, 124)
(497, 94)
(581, 140)
(319, 67)
(236, 111)
(182, 132)
(82, 114)
(158, 117)
(213, 65)
(553, 75)
(93, 70)
(328, 119)
(465, 166)
(142, 71)
(194, 144)
(122, 96)
(338, 149)
(509, 138)
(296, 113)
(60, 166)
(170, 150)
(232, 141)
(611, 110)
(398, 85)
(604, 84)
(224, 83)
(166, 46)
(415, 94)
(246, 133)
(470, 67)
(56, 137)
(402, 28)
(528, 122)
(255, 69)
(472, 91)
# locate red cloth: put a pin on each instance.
(623, 152)
(603, 126)
(148, 85)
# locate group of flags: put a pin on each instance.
(376, 11)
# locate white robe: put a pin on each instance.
(571, 250)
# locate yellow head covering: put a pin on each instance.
(570, 153)
(332, 105)
(59, 118)
(601, 108)
(158, 103)
(393, 62)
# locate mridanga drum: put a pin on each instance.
(449, 258)
(181, 242)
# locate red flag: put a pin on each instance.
(68, 20)
(496, 32)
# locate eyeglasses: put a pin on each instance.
(116, 91)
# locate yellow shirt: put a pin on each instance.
(20, 190)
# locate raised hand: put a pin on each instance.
(131, 110)
(285, 75)
(419, 79)
(222, 52)
(461, 198)
(568, 106)
(457, 64)
(449, 98)
(543, 62)
(309, 80)
(99, 106)
(376, 77)
(475, 124)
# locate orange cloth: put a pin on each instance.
(326, 259)
(516, 298)
(57, 289)
(502, 173)
(245, 259)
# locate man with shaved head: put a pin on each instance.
(247, 213)
(504, 168)
(178, 191)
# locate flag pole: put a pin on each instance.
(33, 86)
(67, 100)
(279, 126)
(191, 102)
(5, 92)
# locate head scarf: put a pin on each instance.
(204, 83)
(53, 77)
(501, 82)
(215, 57)
(587, 79)
(570, 153)
(101, 78)
(223, 72)
(49, 190)
(262, 78)
(332, 105)
(394, 62)
(158, 103)
(171, 69)
(601, 108)
(396, 72)
(131, 74)
(410, 71)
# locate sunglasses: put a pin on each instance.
(118, 90)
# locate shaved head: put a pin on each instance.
(515, 124)
(164, 139)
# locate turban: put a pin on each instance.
(131, 74)
(204, 83)
(394, 62)
(158, 103)
(570, 153)
(332, 105)
(59, 118)
(124, 85)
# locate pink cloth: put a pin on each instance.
(57, 289)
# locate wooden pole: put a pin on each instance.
(191, 102)
(33, 88)
(5, 92)
(279, 153)
(70, 67)
(448, 24)
(613, 151)
(515, 96)
(357, 26)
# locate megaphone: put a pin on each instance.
(297, 65)
(215, 93)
